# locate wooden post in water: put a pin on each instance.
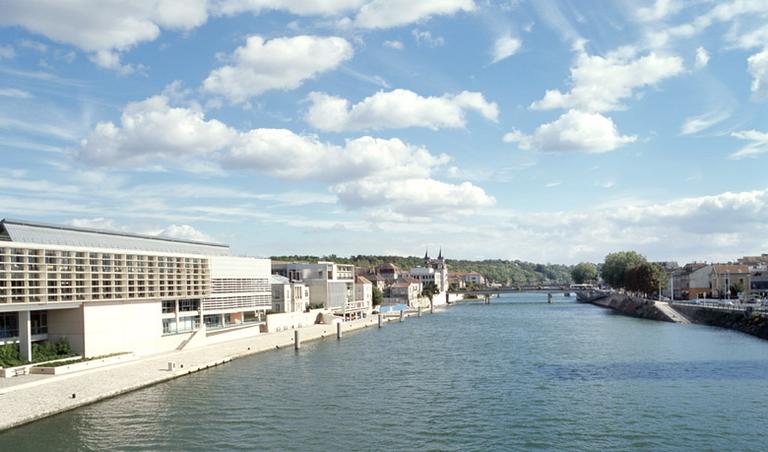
(338, 330)
(296, 340)
(419, 312)
(431, 307)
(402, 314)
(549, 297)
(381, 319)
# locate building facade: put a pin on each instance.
(330, 285)
(434, 271)
(289, 296)
(108, 292)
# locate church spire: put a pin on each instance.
(440, 255)
(426, 254)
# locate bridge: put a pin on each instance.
(517, 289)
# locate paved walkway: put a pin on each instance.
(31, 397)
(672, 313)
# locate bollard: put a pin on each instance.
(296, 340)
(338, 330)
(402, 313)
(381, 318)
(419, 312)
(171, 366)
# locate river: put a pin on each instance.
(516, 374)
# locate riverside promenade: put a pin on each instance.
(30, 397)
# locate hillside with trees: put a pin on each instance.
(506, 272)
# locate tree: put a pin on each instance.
(646, 278)
(378, 297)
(430, 290)
(617, 263)
(584, 272)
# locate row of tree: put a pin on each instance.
(623, 269)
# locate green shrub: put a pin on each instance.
(10, 355)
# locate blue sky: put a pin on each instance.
(550, 131)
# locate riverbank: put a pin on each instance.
(735, 319)
(32, 397)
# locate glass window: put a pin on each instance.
(169, 306)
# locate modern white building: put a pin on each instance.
(289, 296)
(330, 285)
(108, 292)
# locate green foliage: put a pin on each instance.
(378, 296)
(430, 290)
(10, 355)
(617, 263)
(645, 277)
(505, 272)
(584, 272)
(316, 306)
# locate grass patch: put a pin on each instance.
(81, 360)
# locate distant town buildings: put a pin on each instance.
(434, 271)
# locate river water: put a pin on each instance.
(516, 374)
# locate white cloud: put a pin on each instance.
(7, 52)
(152, 129)
(750, 40)
(395, 13)
(702, 57)
(183, 232)
(395, 109)
(298, 7)
(758, 145)
(425, 38)
(106, 27)
(599, 84)
(283, 153)
(106, 224)
(280, 63)
(13, 92)
(573, 131)
(414, 197)
(396, 45)
(111, 60)
(702, 122)
(658, 11)
(757, 65)
(505, 47)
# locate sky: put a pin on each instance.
(554, 131)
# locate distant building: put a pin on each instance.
(729, 276)
(388, 271)
(330, 284)
(717, 280)
(289, 296)
(434, 271)
(363, 291)
(406, 290)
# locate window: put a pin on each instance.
(189, 305)
(169, 306)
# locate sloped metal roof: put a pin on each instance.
(49, 234)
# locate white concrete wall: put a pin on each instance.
(67, 324)
(239, 267)
(289, 320)
(122, 327)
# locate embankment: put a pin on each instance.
(754, 324)
(633, 306)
